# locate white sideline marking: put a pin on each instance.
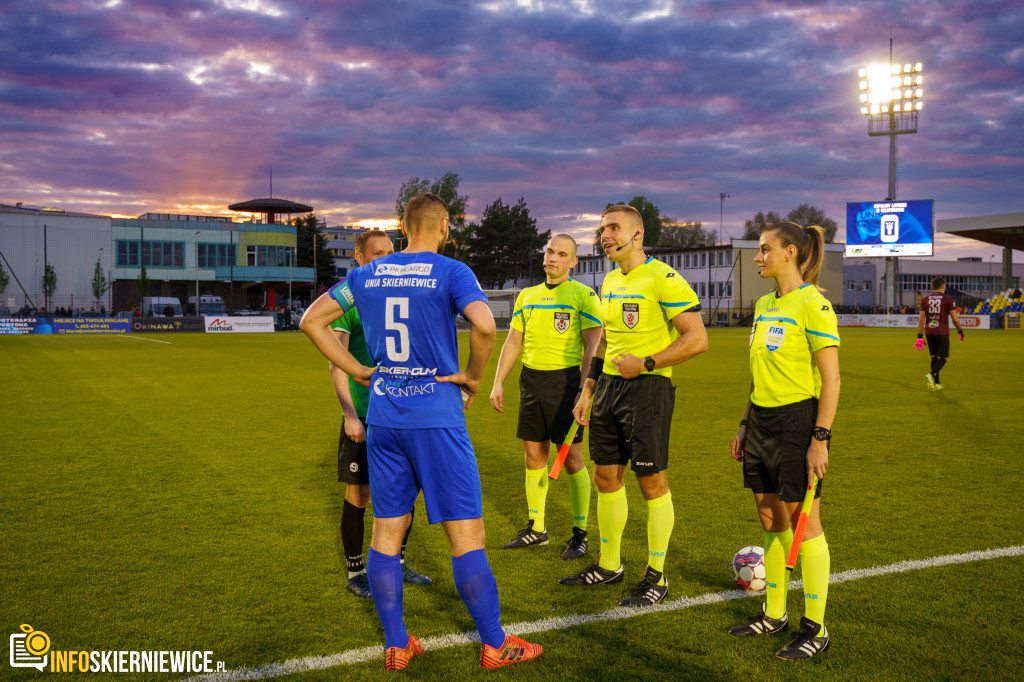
(142, 338)
(371, 653)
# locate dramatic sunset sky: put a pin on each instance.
(130, 106)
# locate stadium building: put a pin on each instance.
(249, 265)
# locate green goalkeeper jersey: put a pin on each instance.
(786, 333)
(552, 321)
(638, 309)
(349, 322)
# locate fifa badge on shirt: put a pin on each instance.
(561, 322)
(630, 314)
(776, 334)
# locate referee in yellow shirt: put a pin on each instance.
(650, 324)
(555, 326)
(786, 429)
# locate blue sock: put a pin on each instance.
(385, 575)
(479, 591)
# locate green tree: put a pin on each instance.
(651, 216)
(99, 282)
(446, 187)
(48, 283)
(753, 228)
(806, 215)
(505, 245)
(310, 235)
(4, 279)
(684, 235)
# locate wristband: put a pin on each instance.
(920, 336)
(743, 422)
(821, 433)
(596, 368)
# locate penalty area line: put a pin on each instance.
(370, 653)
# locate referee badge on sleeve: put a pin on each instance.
(561, 322)
(630, 314)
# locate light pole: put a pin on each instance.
(721, 210)
(197, 274)
(890, 96)
(989, 286)
(291, 259)
(99, 259)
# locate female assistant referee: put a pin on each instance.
(785, 432)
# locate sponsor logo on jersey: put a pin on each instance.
(408, 371)
(346, 293)
(933, 323)
(561, 322)
(394, 270)
(753, 330)
(775, 337)
(630, 314)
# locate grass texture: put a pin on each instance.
(184, 496)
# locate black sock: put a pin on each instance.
(352, 535)
(939, 364)
(405, 540)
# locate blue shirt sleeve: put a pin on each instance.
(463, 286)
(342, 292)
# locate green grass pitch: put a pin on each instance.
(178, 496)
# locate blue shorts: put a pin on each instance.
(440, 462)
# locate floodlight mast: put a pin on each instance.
(890, 98)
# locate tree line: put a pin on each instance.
(505, 244)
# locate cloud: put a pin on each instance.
(570, 104)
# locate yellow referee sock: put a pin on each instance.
(814, 564)
(537, 495)
(660, 519)
(776, 549)
(612, 512)
(579, 497)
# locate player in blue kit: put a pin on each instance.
(416, 432)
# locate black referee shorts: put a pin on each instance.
(630, 421)
(546, 399)
(352, 467)
(775, 453)
(938, 345)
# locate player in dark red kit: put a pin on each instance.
(933, 324)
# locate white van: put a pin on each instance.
(156, 306)
(208, 305)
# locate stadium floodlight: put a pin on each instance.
(890, 96)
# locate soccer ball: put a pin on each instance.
(748, 569)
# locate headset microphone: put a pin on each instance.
(629, 242)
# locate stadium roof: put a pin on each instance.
(1002, 229)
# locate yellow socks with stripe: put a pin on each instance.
(660, 519)
(537, 495)
(814, 564)
(612, 512)
(776, 549)
(579, 497)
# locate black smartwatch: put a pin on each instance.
(649, 364)
(821, 433)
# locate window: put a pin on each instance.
(702, 290)
(250, 255)
(703, 258)
(127, 253)
(721, 257)
(721, 287)
(851, 285)
(728, 289)
(686, 261)
(728, 257)
(867, 285)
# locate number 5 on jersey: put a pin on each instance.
(397, 309)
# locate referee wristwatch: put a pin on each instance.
(821, 433)
(649, 364)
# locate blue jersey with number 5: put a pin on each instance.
(408, 303)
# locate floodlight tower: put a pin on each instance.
(890, 96)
